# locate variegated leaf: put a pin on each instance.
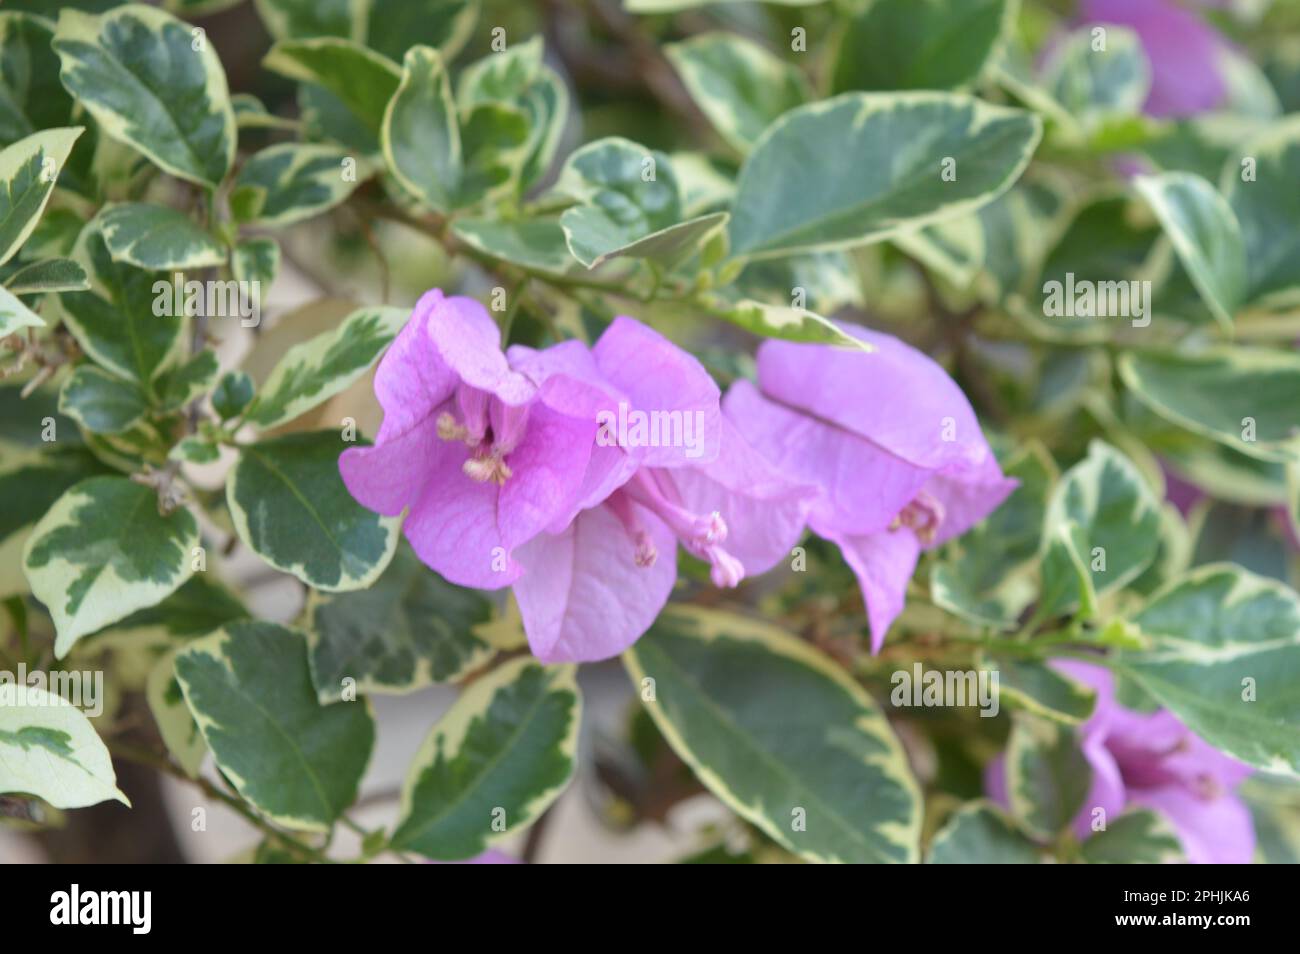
(1247, 399)
(49, 749)
(153, 84)
(297, 762)
(1224, 656)
(493, 763)
(740, 86)
(316, 370)
(791, 195)
(102, 552)
(1205, 234)
(825, 778)
(102, 402)
(290, 182)
(410, 629)
(157, 238)
(289, 505)
(29, 168)
(982, 834)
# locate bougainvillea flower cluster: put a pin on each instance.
(512, 474)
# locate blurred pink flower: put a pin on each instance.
(1184, 52)
(1153, 761)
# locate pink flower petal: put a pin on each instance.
(1214, 831)
(764, 511)
(862, 488)
(1184, 52)
(896, 397)
(883, 563)
(582, 596)
(453, 525)
(548, 467)
(469, 341)
(659, 377)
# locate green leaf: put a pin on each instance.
(314, 371)
(410, 629)
(1205, 235)
(257, 262)
(1039, 689)
(397, 25)
(290, 182)
(737, 84)
(180, 733)
(326, 118)
(117, 322)
(1094, 85)
(1224, 658)
(233, 393)
(788, 324)
(705, 184)
(30, 483)
(200, 607)
(1048, 776)
(102, 552)
(828, 280)
(1114, 521)
(1275, 810)
(1067, 583)
(31, 97)
(14, 315)
(31, 480)
(517, 78)
(1138, 837)
(101, 402)
(48, 275)
(1102, 243)
(1247, 399)
(982, 834)
(189, 381)
(980, 582)
(919, 44)
(251, 113)
(49, 749)
(137, 71)
(297, 762)
(157, 238)
(535, 244)
(1267, 206)
(792, 194)
(630, 206)
(494, 140)
(1174, 550)
(55, 234)
(309, 18)
(594, 237)
(361, 80)
(290, 507)
(824, 776)
(195, 449)
(420, 135)
(493, 763)
(29, 169)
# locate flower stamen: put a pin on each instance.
(701, 534)
(923, 516)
